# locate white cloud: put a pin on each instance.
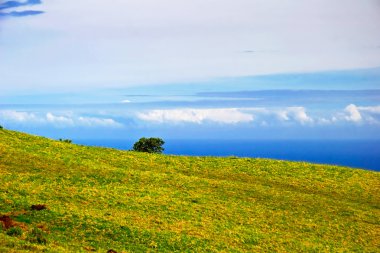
(63, 121)
(287, 114)
(358, 114)
(227, 115)
(97, 122)
(297, 114)
(265, 116)
(15, 116)
(59, 120)
(371, 114)
(353, 113)
(199, 116)
(324, 121)
(282, 115)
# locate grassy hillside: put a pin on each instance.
(100, 199)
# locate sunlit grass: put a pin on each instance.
(99, 199)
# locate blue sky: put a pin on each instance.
(191, 69)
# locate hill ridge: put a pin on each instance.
(99, 199)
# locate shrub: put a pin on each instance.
(66, 140)
(149, 145)
(1, 127)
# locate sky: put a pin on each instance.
(242, 69)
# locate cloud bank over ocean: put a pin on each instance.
(119, 121)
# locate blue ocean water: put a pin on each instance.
(363, 154)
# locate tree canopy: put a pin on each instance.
(149, 145)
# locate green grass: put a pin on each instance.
(100, 199)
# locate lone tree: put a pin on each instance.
(149, 145)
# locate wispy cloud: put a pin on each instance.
(15, 4)
(20, 13)
(370, 109)
(60, 121)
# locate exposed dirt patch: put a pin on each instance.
(7, 222)
(111, 251)
(38, 207)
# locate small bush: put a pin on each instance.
(149, 145)
(38, 207)
(14, 231)
(1, 127)
(66, 140)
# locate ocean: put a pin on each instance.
(363, 154)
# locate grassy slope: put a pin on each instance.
(100, 199)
